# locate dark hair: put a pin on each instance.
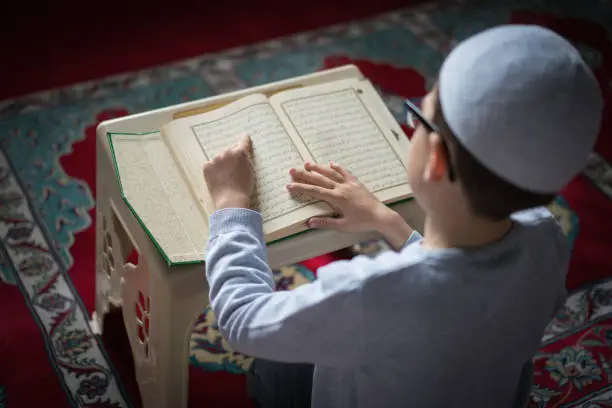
(489, 195)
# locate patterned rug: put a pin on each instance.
(47, 190)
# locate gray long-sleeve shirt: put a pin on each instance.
(415, 328)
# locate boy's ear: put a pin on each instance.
(437, 165)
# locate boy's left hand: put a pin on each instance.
(360, 210)
(230, 176)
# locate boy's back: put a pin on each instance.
(449, 327)
(421, 327)
(454, 318)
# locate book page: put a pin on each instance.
(337, 122)
(274, 153)
(154, 189)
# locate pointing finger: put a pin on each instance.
(245, 144)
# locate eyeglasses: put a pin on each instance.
(414, 118)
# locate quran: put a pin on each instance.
(160, 172)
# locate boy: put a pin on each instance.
(452, 318)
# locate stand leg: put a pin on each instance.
(160, 304)
(111, 251)
(160, 308)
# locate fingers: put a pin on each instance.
(311, 178)
(315, 192)
(243, 149)
(325, 171)
(341, 170)
(245, 144)
(327, 223)
(206, 168)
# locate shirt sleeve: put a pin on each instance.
(320, 322)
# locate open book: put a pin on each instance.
(346, 121)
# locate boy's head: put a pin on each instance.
(515, 113)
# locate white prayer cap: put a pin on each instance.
(522, 101)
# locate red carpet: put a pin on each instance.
(63, 43)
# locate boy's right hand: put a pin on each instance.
(358, 208)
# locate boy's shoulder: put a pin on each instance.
(533, 228)
(535, 216)
(417, 269)
(541, 226)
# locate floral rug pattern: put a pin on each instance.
(573, 368)
(76, 354)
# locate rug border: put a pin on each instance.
(62, 270)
